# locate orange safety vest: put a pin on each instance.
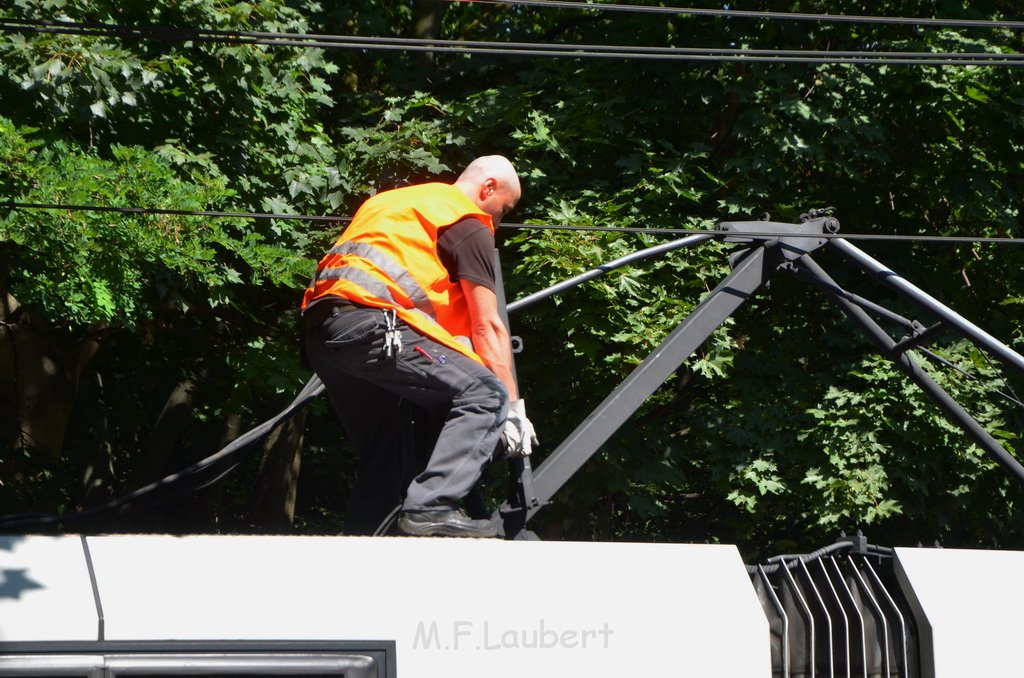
(387, 258)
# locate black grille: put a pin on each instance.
(837, 615)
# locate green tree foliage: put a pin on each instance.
(783, 429)
(85, 268)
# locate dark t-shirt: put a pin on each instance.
(466, 248)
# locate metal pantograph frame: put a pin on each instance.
(771, 247)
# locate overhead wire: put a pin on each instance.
(921, 22)
(758, 14)
(169, 211)
(1010, 397)
(508, 48)
(13, 204)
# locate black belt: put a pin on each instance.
(321, 310)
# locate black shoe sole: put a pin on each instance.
(440, 529)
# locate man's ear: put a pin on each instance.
(488, 188)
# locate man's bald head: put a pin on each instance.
(492, 184)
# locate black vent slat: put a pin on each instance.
(801, 626)
(840, 615)
(856, 666)
(877, 625)
(778, 622)
(823, 651)
(900, 645)
(840, 619)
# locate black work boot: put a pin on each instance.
(444, 522)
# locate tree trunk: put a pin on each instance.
(427, 15)
(278, 482)
(98, 480)
(426, 24)
(40, 368)
(176, 412)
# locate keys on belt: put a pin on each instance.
(317, 314)
(392, 334)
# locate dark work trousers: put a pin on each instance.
(389, 406)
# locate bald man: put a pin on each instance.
(402, 325)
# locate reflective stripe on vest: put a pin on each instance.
(375, 287)
(382, 260)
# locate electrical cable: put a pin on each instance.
(175, 212)
(294, 39)
(514, 48)
(389, 520)
(755, 14)
(950, 365)
(1012, 397)
(13, 204)
(765, 234)
(876, 309)
(910, 325)
(792, 560)
(175, 483)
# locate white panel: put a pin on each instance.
(972, 601)
(454, 607)
(45, 591)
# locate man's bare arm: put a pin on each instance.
(490, 338)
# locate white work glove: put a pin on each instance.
(519, 436)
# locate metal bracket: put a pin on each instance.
(793, 240)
